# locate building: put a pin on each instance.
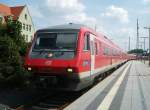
(4, 11)
(20, 13)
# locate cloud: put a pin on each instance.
(146, 1)
(71, 11)
(65, 5)
(54, 12)
(126, 30)
(35, 11)
(62, 11)
(113, 21)
(125, 33)
(117, 13)
(81, 17)
(145, 11)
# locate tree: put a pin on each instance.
(14, 31)
(136, 51)
(11, 45)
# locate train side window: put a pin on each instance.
(106, 51)
(110, 52)
(99, 49)
(117, 53)
(86, 42)
(113, 52)
(96, 48)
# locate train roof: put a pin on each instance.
(77, 27)
(70, 26)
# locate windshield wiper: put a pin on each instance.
(53, 50)
(41, 50)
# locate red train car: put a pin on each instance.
(71, 56)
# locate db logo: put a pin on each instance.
(48, 62)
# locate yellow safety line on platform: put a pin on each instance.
(105, 105)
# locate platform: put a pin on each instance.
(128, 88)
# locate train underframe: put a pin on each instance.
(69, 83)
(62, 83)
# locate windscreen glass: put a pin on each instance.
(56, 41)
(60, 45)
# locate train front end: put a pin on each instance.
(53, 57)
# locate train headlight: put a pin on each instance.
(29, 68)
(69, 70)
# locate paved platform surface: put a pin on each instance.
(128, 88)
(134, 92)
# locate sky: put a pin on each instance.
(116, 19)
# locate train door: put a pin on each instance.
(92, 53)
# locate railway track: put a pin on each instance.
(53, 101)
(56, 100)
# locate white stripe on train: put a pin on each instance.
(98, 70)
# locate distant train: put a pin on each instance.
(71, 56)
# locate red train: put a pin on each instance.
(71, 56)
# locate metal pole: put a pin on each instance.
(149, 46)
(95, 27)
(144, 44)
(144, 40)
(144, 51)
(149, 42)
(129, 44)
(137, 42)
(140, 45)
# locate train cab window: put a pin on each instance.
(56, 41)
(62, 45)
(86, 42)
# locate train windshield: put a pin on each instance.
(54, 45)
(56, 41)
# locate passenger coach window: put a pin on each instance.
(96, 49)
(86, 42)
(106, 51)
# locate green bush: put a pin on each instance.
(9, 50)
(12, 51)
